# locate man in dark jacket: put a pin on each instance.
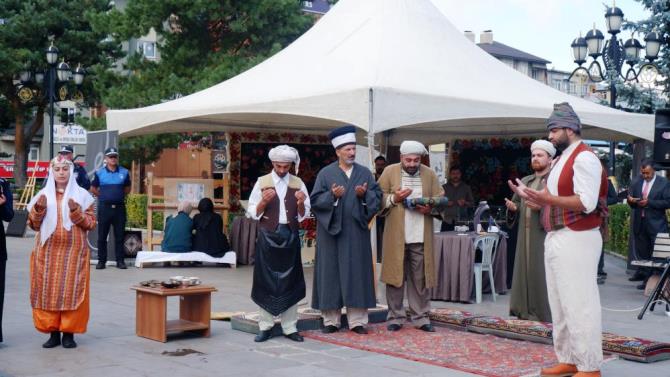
(649, 197)
(612, 198)
(6, 214)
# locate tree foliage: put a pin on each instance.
(201, 43)
(660, 22)
(28, 27)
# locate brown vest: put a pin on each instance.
(270, 218)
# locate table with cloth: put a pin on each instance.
(454, 261)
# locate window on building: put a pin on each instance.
(34, 153)
(148, 49)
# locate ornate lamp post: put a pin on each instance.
(32, 85)
(614, 54)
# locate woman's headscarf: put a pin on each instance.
(72, 191)
(185, 207)
(206, 209)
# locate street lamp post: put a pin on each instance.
(614, 54)
(31, 83)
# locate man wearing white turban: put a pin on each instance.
(279, 201)
(408, 234)
(528, 299)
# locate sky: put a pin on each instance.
(544, 28)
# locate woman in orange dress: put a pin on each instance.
(62, 213)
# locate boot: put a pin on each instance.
(54, 340)
(68, 340)
(559, 370)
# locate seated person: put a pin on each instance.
(208, 226)
(177, 235)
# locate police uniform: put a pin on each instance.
(111, 208)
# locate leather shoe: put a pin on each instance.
(360, 330)
(54, 340)
(263, 335)
(636, 277)
(559, 370)
(588, 374)
(394, 327)
(641, 286)
(68, 340)
(294, 336)
(100, 266)
(427, 328)
(121, 265)
(329, 329)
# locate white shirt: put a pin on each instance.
(650, 184)
(413, 218)
(586, 178)
(281, 186)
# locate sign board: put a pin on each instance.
(7, 169)
(69, 134)
(437, 162)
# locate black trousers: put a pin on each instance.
(115, 216)
(3, 264)
(644, 245)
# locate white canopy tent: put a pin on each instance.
(382, 65)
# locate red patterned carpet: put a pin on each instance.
(486, 355)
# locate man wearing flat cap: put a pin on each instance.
(408, 262)
(344, 200)
(111, 184)
(279, 201)
(528, 299)
(574, 205)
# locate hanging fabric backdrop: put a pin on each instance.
(487, 164)
(249, 159)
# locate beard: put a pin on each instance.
(411, 170)
(349, 161)
(537, 166)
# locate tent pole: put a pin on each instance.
(373, 222)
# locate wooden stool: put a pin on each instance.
(151, 311)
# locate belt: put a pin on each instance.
(110, 205)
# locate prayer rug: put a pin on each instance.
(637, 349)
(512, 328)
(485, 355)
(451, 317)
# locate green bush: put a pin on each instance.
(619, 229)
(136, 212)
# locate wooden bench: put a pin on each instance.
(660, 260)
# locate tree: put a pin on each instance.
(660, 22)
(201, 43)
(28, 28)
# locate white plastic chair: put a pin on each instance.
(487, 244)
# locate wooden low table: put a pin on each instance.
(151, 311)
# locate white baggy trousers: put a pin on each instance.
(571, 263)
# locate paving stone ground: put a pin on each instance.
(110, 347)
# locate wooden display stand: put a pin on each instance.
(151, 311)
(220, 205)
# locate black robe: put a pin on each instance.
(343, 273)
(279, 282)
(209, 237)
(6, 214)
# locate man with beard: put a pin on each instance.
(279, 201)
(528, 298)
(460, 199)
(573, 201)
(344, 200)
(408, 240)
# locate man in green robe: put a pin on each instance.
(528, 298)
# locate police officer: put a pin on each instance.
(111, 184)
(67, 151)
